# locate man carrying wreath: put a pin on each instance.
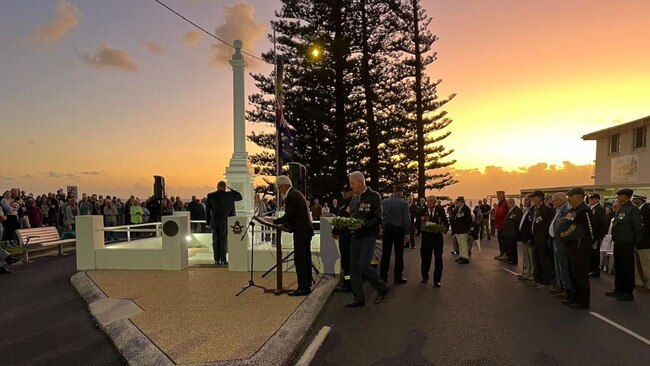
(431, 216)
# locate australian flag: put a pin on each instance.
(286, 144)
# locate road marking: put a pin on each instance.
(507, 270)
(309, 354)
(616, 325)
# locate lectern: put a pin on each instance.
(268, 221)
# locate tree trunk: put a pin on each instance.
(373, 140)
(422, 179)
(339, 53)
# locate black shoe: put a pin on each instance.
(424, 281)
(11, 260)
(612, 294)
(463, 261)
(436, 284)
(625, 297)
(401, 281)
(380, 297)
(355, 303)
(594, 274)
(4, 270)
(299, 293)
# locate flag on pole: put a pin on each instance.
(286, 144)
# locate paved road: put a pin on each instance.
(43, 321)
(481, 316)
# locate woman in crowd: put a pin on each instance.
(136, 212)
(110, 219)
(71, 212)
(34, 213)
(166, 208)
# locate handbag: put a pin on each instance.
(607, 246)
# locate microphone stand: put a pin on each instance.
(251, 225)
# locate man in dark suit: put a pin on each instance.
(642, 252)
(461, 223)
(219, 205)
(432, 242)
(601, 225)
(543, 216)
(511, 230)
(297, 218)
(365, 206)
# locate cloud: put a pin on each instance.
(27, 176)
(110, 57)
(52, 174)
(4, 178)
(93, 172)
(154, 48)
(67, 20)
(474, 183)
(238, 23)
(192, 38)
(32, 142)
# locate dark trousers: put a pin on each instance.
(502, 242)
(412, 235)
(594, 258)
(302, 259)
(579, 253)
(485, 228)
(11, 224)
(624, 267)
(393, 238)
(344, 249)
(511, 249)
(543, 259)
(220, 243)
(431, 244)
(361, 250)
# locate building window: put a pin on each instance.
(614, 143)
(640, 137)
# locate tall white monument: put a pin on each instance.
(239, 173)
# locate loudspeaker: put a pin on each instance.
(158, 187)
(298, 177)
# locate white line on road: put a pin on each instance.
(613, 323)
(507, 270)
(309, 354)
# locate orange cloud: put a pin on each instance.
(192, 38)
(67, 20)
(474, 183)
(110, 57)
(238, 23)
(154, 48)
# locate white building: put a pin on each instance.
(622, 160)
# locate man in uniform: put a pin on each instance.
(627, 231)
(365, 206)
(461, 222)
(432, 242)
(485, 219)
(642, 276)
(525, 237)
(219, 206)
(397, 222)
(344, 236)
(563, 278)
(600, 228)
(578, 236)
(543, 215)
(414, 211)
(296, 216)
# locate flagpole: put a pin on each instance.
(279, 75)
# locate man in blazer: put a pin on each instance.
(432, 242)
(601, 225)
(510, 230)
(297, 218)
(543, 216)
(461, 223)
(218, 207)
(642, 252)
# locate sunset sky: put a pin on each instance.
(105, 94)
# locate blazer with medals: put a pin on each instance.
(577, 225)
(543, 216)
(296, 215)
(367, 207)
(461, 221)
(600, 221)
(438, 217)
(511, 222)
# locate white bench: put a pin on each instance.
(41, 238)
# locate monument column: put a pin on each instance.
(239, 173)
